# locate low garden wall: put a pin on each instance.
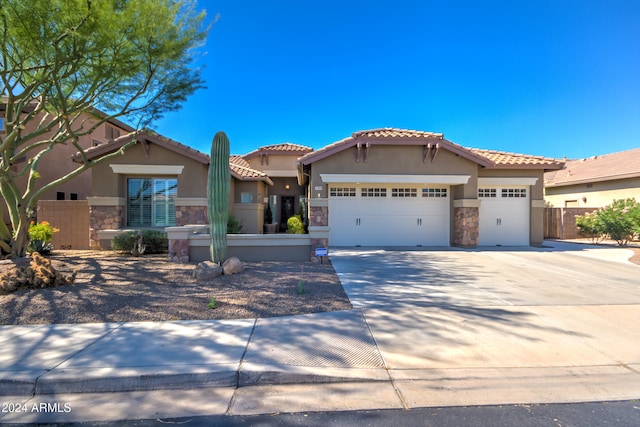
(191, 244)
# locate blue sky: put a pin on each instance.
(552, 78)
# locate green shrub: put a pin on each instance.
(294, 225)
(234, 225)
(620, 221)
(40, 236)
(590, 226)
(153, 242)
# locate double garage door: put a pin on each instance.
(393, 215)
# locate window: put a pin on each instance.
(514, 192)
(373, 192)
(434, 192)
(487, 192)
(60, 195)
(246, 198)
(404, 192)
(342, 192)
(73, 196)
(151, 202)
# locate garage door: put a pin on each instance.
(398, 215)
(504, 216)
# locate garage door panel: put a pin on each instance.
(504, 217)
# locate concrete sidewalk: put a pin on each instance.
(114, 357)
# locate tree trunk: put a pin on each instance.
(20, 240)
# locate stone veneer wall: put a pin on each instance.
(191, 215)
(319, 216)
(179, 250)
(467, 226)
(104, 218)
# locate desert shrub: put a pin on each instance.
(590, 226)
(620, 221)
(40, 236)
(294, 225)
(153, 242)
(234, 225)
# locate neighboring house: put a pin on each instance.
(594, 182)
(159, 182)
(395, 187)
(57, 162)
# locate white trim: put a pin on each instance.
(148, 169)
(394, 179)
(280, 173)
(106, 201)
(191, 201)
(318, 203)
(466, 203)
(511, 180)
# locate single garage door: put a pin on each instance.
(504, 216)
(392, 215)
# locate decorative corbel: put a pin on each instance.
(366, 151)
(145, 148)
(426, 150)
(435, 152)
(358, 148)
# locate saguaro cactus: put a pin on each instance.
(218, 188)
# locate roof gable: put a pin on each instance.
(393, 136)
(240, 168)
(607, 167)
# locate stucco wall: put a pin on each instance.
(598, 195)
(398, 160)
(277, 164)
(192, 182)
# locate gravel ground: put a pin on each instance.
(112, 288)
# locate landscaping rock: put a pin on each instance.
(39, 273)
(232, 266)
(207, 270)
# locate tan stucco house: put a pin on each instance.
(594, 182)
(396, 187)
(160, 183)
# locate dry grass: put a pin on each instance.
(112, 288)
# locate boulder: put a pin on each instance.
(207, 270)
(232, 266)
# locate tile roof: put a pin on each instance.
(392, 136)
(284, 148)
(505, 159)
(394, 133)
(620, 165)
(241, 170)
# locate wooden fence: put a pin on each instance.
(560, 223)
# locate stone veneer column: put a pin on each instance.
(318, 224)
(191, 215)
(105, 213)
(466, 214)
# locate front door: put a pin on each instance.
(287, 210)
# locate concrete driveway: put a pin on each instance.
(557, 324)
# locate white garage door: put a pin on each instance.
(398, 215)
(504, 216)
